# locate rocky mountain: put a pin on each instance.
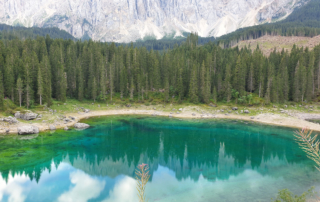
(129, 20)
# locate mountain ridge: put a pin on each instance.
(126, 21)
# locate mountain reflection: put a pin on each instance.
(215, 151)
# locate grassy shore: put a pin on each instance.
(280, 115)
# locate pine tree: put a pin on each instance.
(80, 81)
(310, 79)
(20, 89)
(1, 92)
(227, 83)
(111, 83)
(9, 77)
(180, 85)
(214, 95)
(251, 79)
(296, 84)
(203, 83)
(94, 89)
(285, 84)
(194, 85)
(40, 85)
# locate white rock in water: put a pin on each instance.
(24, 130)
(81, 126)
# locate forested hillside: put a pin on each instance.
(304, 21)
(44, 69)
(8, 32)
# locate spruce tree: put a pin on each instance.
(193, 90)
(1, 92)
(20, 89)
(251, 79)
(94, 89)
(227, 83)
(40, 85)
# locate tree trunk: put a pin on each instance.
(260, 89)
(40, 99)
(20, 98)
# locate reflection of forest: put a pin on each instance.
(189, 150)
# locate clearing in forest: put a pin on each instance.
(268, 43)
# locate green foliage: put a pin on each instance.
(286, 196)
(60, 69)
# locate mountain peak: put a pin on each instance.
(129, 20)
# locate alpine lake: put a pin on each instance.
(189, 160)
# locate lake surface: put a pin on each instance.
(190, 160)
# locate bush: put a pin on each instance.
(286, 196)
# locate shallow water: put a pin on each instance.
(189, 160)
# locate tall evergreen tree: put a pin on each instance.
(193, 89)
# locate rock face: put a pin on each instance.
(24, 130)
(129, 20)
(27, 116)
(81, 126)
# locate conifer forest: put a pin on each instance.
(37, 71)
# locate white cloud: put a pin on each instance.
(124, 191)
(15, 188)
(85, 188)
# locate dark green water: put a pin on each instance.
(189, 160)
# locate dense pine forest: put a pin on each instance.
(37, 71)
(8, 32)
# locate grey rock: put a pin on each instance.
(52, 127)
(285, 106)
(24, 130)
(81, 125)
(66, 120)
(252, 117)
(66, 128)
(180, 109)
(234, 108)
(27, 116)
(193, 114)
(72, 118)
(246, 111)
(11, 120)
(86, 110)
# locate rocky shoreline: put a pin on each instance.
(14, 126)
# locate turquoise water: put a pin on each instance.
(189, 160)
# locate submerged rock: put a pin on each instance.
(81, 126)
(24, 130)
